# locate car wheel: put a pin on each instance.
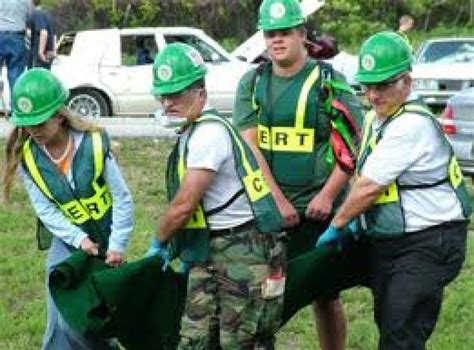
(88, 103)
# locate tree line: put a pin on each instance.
(232, 21)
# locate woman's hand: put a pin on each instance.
(114, 259)
(89, 247)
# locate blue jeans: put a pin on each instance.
(13, 53)
(58, 335)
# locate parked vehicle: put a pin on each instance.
(442, 68)
(109, 71)
(458, 124)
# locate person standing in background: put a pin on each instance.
(13, 18)
(43, 37)
(405, 24)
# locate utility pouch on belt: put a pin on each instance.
(43, 236)
(274, 284)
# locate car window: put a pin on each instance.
(208, 53)
(448, 52)
(138, 50)
(65, 44)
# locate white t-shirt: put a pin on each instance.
(412, 151)
(210, 147)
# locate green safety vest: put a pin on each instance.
(89, 204)
(386, 216)
(293, 133)
(191, 243)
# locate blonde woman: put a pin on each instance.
(74, 184)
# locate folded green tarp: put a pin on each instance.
(141, 305)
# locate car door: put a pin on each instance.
(138, 51)
(110, 70)
(131, 76)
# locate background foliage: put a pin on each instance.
(232, 21)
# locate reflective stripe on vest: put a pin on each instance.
(291, 139)
(83, 209)
(198, 220)
(391, 194)
(253, 181)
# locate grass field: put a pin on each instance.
(22, 305)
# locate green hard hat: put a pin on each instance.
(175, 68)
(280, 14)
(37, 96)
(382, 56)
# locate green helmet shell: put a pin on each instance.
(37, 96)
(382, 56)
(175, 68)
(280, 14)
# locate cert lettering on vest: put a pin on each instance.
(286, 139)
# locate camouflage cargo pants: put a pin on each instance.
(225, 308)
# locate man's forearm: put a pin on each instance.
(336, 181)
(363, 194)
(174, 219)
(43, 38)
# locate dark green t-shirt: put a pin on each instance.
(244, 116)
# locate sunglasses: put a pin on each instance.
(384, 85)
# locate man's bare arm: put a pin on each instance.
(184, 205)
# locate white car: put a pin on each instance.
(109, 71)
(442, 68)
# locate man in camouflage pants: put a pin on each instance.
(222, 221)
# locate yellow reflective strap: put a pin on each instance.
(303, 99)
(254, 182)
(369, 119)
(75, 212)
(415, 108)
(197, 220)
(254, 89)
(34, 171)
(455, 173)
(256, 185)
(98, 154)
(98, 205)
(264, 139)
(245, 162)
(389, 195)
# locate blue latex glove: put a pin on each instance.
(355, 229)
(160, 249)
(332, 235)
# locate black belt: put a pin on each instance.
(229, 231)
(19, 32)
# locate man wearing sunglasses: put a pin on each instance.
(283, 112)
(409, 197)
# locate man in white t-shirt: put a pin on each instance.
(410, 197)
(221, 221)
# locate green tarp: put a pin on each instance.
(141, 306)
